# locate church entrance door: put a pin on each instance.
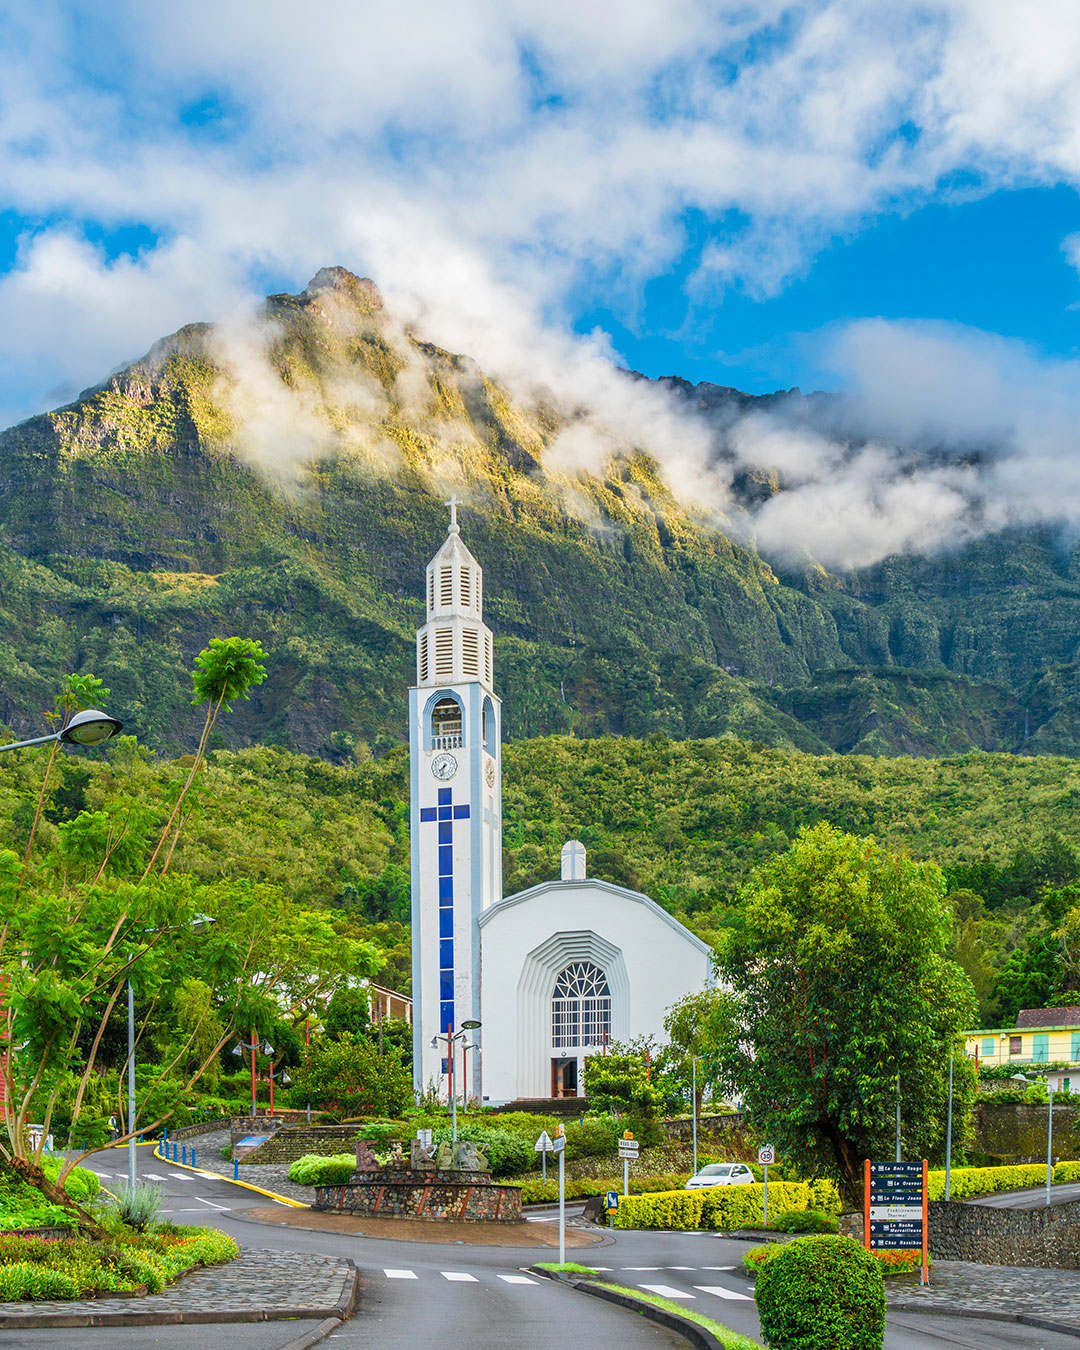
(564, 1077)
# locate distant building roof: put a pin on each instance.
(1048, 1017)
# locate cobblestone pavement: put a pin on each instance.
(963, 1286)
(269, 1284)
(268, 1176)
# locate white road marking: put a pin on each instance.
(281, 1202)
(721, 1292)
(182, 1176)
(665, 1291)
(718, 1267)
(400, 1274)
(458, 1275)
(604, 1268)
(639, 1268)
(680, 1267)
(105, 1176)
(221, 1208)
(516, 1279)
(152, 1176)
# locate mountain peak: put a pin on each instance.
(362, 291)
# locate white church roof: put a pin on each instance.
(552, 889)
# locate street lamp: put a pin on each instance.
(86, 728)
(948, 1137)
(1033, 1082)
(254, 1046)
(452, 1038)
(693, 1102)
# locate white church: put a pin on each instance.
(535, 981)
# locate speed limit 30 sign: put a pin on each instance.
(766, 1155)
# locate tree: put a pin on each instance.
(348, 1012)
(629, 1082)
(843, 986)
(705, 1026)
(349, 1075)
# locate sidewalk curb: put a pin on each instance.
(205, 1172)
(695, 1334)
(333, 1317)
(313, 1337)
(990, 1315)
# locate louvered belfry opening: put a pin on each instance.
(446, 725)
(454, 646)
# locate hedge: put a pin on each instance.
(313, 1169)
(580, 1188)
(724, 1206)
(970, 1181)
(894, 1261)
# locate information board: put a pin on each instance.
(895, 1205)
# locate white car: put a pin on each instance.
(721, 1174)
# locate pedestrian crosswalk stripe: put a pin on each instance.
(721, 1292)
(680, 1267)
(641, 1268)
(150, 1176)
(400, 1274)
(458, 1275)
(182, 1176)
(717, 1267)
(666, 1291)
(516, 1279)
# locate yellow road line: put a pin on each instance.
(284, 1199)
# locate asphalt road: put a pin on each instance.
(475, 1298)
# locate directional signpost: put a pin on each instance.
(628, 1148)
(543, 1146)
(766, 1154)
(894, 1207)
(558, 1145)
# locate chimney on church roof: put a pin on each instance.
(573, 861)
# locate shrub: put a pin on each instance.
(313, 1170)
(805, 1221)
(383, 1132)
(508, 1153)
(968, 1181)
(23, 1281)
(1066, 1171)
(139, 1206)
(822, 1293)
(725, 1206)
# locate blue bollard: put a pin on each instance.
(185, 1154)
(193, 1163)
(236, 1169)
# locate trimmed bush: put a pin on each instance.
(1066, 1171)
(805, 1221)
(892, 1262)
(314, 1170)
(725, 1206)
(822, 1293)
(969, 1181)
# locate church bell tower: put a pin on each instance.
(455, 810)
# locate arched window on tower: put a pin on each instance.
(489, 730)
(580, 1008)
(446, 728)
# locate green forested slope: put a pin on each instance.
(171, 505)
(684, 821)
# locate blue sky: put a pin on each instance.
(724, 191)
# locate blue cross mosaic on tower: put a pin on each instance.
(444, 814)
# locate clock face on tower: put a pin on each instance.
(444, 767)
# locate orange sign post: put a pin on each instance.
(895, 1210)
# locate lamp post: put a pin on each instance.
(89, 727)
(948, 1136)
(693, 1103)
(452, 1038)
(1020, 1078)
(465, 1071)
(254, 1046)
(285, 1081)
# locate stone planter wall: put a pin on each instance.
(435, 1197)
(1046, 1236)
(293, 1141)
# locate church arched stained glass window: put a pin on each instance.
(580, 1008)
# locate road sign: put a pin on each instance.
(766, 1155)
(629, 1148)
(894, 1213)
(543, 1144)
(611, 1200)
(558, 1143)
(424, 1138)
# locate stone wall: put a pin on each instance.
(436, 1197)
(292, 1142)
(1015, 1132)
(1046, 1236)
(683, 1127)
(203, 1127)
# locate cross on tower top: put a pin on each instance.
(454, 502)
